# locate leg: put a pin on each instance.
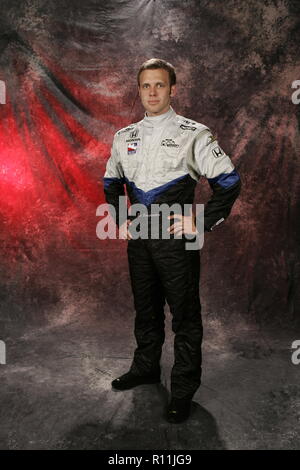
(180, 273)
(149, 304)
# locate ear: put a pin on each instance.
(173, 90)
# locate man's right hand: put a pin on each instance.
(123, 231)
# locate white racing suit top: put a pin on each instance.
(161, 158)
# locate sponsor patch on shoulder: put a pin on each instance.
(186, 121)
(129, 128)
(187, 128)
(211, 139)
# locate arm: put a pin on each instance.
(114, 181)
(209, 160)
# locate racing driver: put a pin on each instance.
(159, 160)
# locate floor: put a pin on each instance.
(56, 393)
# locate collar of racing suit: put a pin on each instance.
(157, 121)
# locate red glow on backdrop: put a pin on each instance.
(70, 74)
(51, 167)
(17, 181)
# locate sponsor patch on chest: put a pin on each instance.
(168, 143)
(132, 147)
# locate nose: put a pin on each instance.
(152, 91)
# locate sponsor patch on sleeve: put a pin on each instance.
(126, 129)
(217, 152)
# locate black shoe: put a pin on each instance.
(178, 410)
(130, 380)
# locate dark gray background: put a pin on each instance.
(66, 311)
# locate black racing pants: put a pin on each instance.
(163, 270)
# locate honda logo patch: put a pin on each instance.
(218, 152)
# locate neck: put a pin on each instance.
(156, 115)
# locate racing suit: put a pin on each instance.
(160, 160)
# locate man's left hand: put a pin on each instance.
(184, 225)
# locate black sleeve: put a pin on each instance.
(218, 208)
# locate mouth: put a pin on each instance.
(153, 102)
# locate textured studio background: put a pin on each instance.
(70, 72)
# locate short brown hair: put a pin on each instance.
(155, 63)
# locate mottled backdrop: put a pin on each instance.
(69, 67)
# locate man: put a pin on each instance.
(160, 159)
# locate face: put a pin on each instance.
(155, 92)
